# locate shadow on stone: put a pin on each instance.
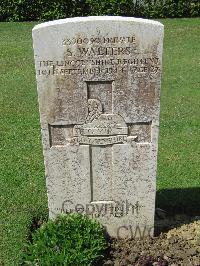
(175, 207)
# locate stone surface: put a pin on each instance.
(98, 84)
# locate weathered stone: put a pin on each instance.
(98, 87)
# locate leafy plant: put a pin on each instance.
(70, 239)
(30, 10)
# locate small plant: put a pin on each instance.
(71, 239)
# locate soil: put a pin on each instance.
(176, 246)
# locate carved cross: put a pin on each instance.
(102, 129)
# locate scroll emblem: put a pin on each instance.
(100, 128)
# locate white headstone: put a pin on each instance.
(98, 84)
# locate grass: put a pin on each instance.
(22, 188)
(179, 145)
